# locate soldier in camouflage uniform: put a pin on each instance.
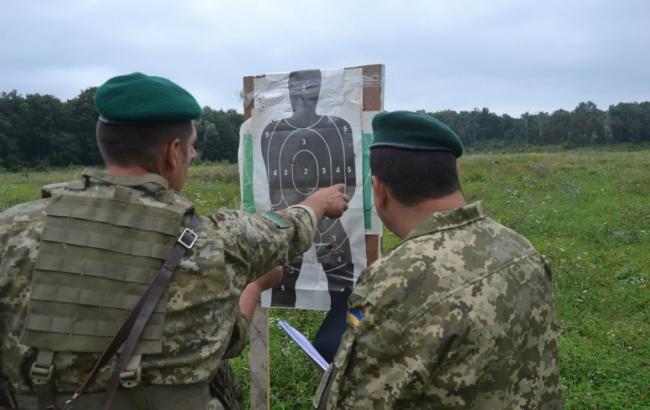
(460, 314)
(74, 263)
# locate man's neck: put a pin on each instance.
(410, 216)
(120, 170)
(303, 119)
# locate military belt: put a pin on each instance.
(194, 396)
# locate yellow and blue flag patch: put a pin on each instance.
(354, 317)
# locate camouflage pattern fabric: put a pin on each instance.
(458, 316)
(203, 324)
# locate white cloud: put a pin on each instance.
(510, 56)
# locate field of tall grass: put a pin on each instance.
(588, 211)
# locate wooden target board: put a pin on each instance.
(305, 130)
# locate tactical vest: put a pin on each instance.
(100, 248)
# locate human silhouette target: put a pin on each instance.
(303, 153)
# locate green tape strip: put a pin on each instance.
(248, 199)
(367, 181)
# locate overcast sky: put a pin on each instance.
(510, 56)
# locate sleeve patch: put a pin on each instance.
(275, 219)
(354, 317)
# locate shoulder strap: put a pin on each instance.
(155, 184)
(132, 328)
(131, 181)
(41, 375)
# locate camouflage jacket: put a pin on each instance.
(458, 316)
(203, 323)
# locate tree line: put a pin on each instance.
(585, 125)
(41, 131)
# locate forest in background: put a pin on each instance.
(41, 131)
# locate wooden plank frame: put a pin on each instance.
(373, 100)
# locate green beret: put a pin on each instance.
(415, 131)
(139, 99)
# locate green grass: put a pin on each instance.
(588, 211)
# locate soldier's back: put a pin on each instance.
(73, 265)
(463, 310)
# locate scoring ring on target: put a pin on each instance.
(293, 180)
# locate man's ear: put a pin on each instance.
(457, 169)
(172, 154)
(380, 192)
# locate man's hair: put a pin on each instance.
(141, 144)
(413, 176)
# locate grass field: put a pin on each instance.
(587, 210)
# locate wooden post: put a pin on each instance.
(259, 328)
(373, 100)
(259, 360)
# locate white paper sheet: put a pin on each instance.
(300, 140)
(304, 344)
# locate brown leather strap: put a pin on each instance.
(130, 331)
